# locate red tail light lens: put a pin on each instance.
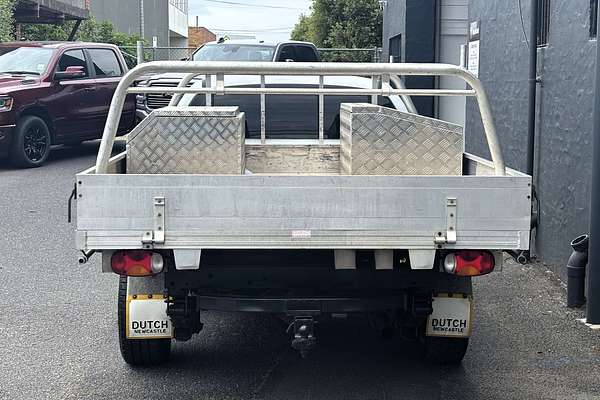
(137, 263)
(469, 263)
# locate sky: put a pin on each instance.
(265, 19)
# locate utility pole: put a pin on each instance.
(140, 52)
(593, 287)
(142, 21)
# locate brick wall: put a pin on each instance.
(197, 36)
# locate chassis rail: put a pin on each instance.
(382, 75)
(300, 306)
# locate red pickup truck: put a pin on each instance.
(56, 93)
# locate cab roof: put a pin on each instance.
(256, 42)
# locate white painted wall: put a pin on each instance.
(178, 22)
(453, 30)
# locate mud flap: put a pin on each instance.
(146, 317)
(451, 317)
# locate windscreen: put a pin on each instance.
(234, 52)
(24, 60)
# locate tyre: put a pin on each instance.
(31, 144)
(445, 351)
(139, 352)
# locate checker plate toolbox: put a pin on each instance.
(380, 141)
(179, 141)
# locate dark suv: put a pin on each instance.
(56, 93)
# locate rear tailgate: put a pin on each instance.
(117, 211)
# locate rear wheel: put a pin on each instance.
(138, 352)
(31, 145)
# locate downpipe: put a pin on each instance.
(576, 272)
(533, 81)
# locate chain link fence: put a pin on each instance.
(158, 53)
(185, 53)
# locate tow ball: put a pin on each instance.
(304, 335)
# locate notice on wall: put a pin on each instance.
(473, 54)
(473, 64)
(474, 31)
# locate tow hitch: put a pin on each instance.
(304, 335)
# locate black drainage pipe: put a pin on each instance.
(576, 272)
(533, 81)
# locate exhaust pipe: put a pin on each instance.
(85, 256)
(522, 257)
(576, 272)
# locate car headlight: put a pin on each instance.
(6, 103)
(140, 99)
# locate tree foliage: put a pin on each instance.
(89, 31)
(6, 19)
(342, 24)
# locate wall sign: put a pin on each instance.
(474, 31)
(473, 65)
(473, 54)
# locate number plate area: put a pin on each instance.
(147, 318)
(451, 317)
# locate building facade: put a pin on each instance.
(158, 21)
(409, 36)
(566, 67)
(428, 31)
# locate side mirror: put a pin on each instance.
(70, 73)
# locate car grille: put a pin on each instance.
(159, 100)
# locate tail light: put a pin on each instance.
(469, 263)
(137, 263)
